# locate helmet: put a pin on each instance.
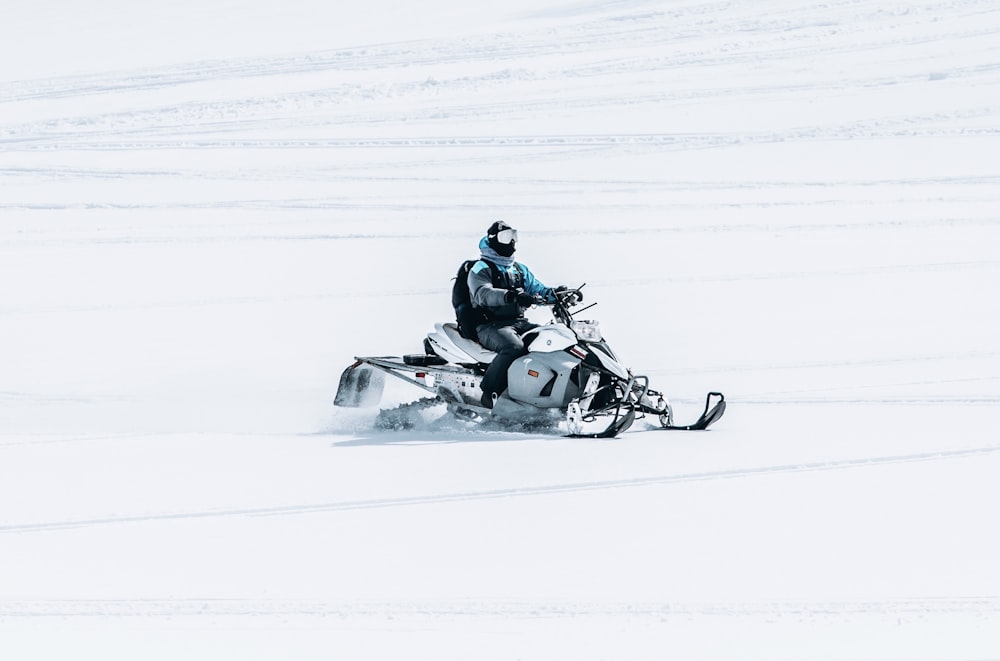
(502, 238)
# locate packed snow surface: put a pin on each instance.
(207, 209)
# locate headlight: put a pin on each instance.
(587, 331)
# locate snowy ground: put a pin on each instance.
(208, 209)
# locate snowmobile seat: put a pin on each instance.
(449, 344)
(471, 347)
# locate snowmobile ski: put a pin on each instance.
(621, 422)
(709, 416)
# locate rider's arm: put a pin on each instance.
(534, 287)
(481, 289)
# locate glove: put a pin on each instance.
(521, 297)
(569, 296)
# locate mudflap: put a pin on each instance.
(710, 416)
(360, 385)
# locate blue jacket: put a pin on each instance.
(493, 300)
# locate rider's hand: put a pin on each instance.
(521, 297)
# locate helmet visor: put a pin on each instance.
(507, 236)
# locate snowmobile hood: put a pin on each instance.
(609, 363)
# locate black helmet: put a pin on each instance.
(502, 238)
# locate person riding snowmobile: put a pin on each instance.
(572, 377)
(503, 292)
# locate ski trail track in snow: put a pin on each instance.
(713, 35)
(741, 24)
(906, 609)
(294, 510)
(919, 126)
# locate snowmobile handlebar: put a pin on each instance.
(566, 298)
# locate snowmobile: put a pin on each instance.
(569, 378)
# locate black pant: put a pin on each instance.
(505, 339)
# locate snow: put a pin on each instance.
(207, 209)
